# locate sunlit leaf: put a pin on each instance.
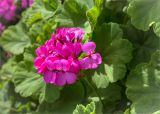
(15, 39)
(143, 86)
(89, 109)
(144, 13)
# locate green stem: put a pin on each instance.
(95, 89)
(85, 91)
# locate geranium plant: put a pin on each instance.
(80, 57)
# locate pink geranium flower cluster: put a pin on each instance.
(59, 61)
(7, 9)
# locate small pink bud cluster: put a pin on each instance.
(26, 3)
(7, 9)
(58, 60)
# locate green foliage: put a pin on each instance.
(70, 96)
(144, 43)
(36, 13)
(116, 52)
(11, 102)
(143, 86)
(106, 103)
(8, 69)
(28, 83)
(127, 36)
(51, 4)
(14, 39)
(51, 93)
(100, 77)
(94, 12)
(89, 109)
(73, 12)
(144, 13)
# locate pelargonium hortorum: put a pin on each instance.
(58, 60)
(7, 9)
(26, 3)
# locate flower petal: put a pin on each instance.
(70, 77)
(91, 62)
(42, 68)
(41, 51)
(97, 58)
(77, 49)
(74, 66)
(67, 50)
(69, 34)
(89, 47)
(50, 62)
(40, 64)
(65, 64)
(38, 61)
(60, 65)
(60, 79)
(49, 77)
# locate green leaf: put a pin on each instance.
(94, 12)
(89, 109)
(36, 30)
(11, 102)
(51, 4)
(144, 13)
(15, 39)
(29, 54)
(110, 103)
(116, 53)
(105, 34)
(156, 29)
(5, 103)
(28, 83)
(71, 95)
(28, 60)
(144, 43)
(157, 112)
(100, 77)
(119, 51)
(52, 93)
(115, 5)
(143, 86)
(73, 12)
(8, 69)
(106, 11)
(41, 31)
(115, 72)
(36, 13)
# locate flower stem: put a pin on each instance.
(95, 89)
(85, 91)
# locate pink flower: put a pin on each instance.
(70, 34)
(26, 3)
(7, 9)
(2, 27)
(92, 60)
(58, 59)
